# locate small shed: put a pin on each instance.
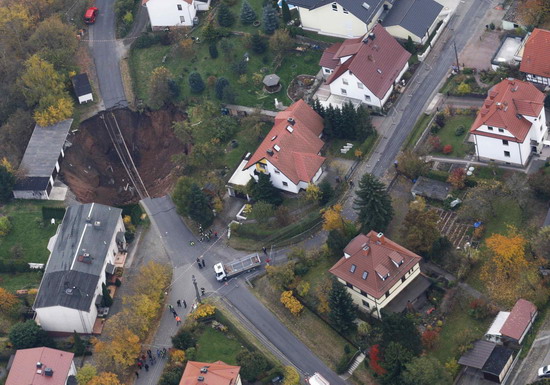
(498, 364)
(430, 188)
(82, 88)
(272, 83)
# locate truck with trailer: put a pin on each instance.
(224, 271)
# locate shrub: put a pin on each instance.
(463, 88)
(196, 83)
(240, 67)
(221, 84)
(203, 311)
(258, 44)
(291, 303)
(429, 339)
(447, 149)
(184, 340)
(440, 119)
(460, 131)
(5, 226)
(213, 50)
(435, 143)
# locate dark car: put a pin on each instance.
(90, 15)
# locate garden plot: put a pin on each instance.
(449, 226)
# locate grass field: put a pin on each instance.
(214, 345)
(17, 281)
(448, 135)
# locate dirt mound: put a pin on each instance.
(92, 168)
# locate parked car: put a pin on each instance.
(544, 371)
(90, 15)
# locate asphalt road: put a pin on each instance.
(106, 56)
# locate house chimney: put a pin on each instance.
(48, 372)
(39, 364)
(269, 152)
(200, 379)
(380, 237)
(291, 121)
(204, 369)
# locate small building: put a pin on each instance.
(42, 366)
(512, 18)
(493, 334)
(519, 322)
(215, 373)
(535, 62)
(380, 274)
(82, 88)
(165, 14)
(414, 18)
(272, 83)
(82, 259)
(493, 362)
(41, 161)
(430, 188)
(508, 52)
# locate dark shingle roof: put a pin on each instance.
(32, 183)
(497, 361)
(431, 188)
(355, 7)
(75, 237)
(415, 16)
(81, 84)
(478, 355)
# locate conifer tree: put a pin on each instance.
(270, 19)
(196, 83)
(373, 204)
(213, 50)
(286, 12)
(263, 190)
(342, 309)
(225, 16)
(199, 208)
(258, 44)
(248, 15)
(221, 83)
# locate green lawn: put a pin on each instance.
(214, 345)
(508, 213)
(335, 145)
(448, 135)
(417, 131)
(17, 281)
(319, 272)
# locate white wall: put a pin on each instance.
(278, 178)
(538, 79)
(85, 98)
(62, 319)
(325, 21)
(165, 13)
(493, 149)
(399, 32)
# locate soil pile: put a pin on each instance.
(94, 172)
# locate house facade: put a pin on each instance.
(290, 153)
(511, 124)
(365, 69)
(535, 62)
(380, 274)
(215, 373)
(173, 13)
(41, 366)
(82, 256)
(414, 18)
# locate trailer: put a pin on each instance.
(224, 271)
(317, 379)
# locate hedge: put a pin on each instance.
(53, 212)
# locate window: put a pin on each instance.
(387, 294)
(182, 19)
(365, 304)
(490, 128)
(335, 7)
(277, 172)
(365, 274)
(345, 10)
(343, 91)
(363, 293)
(345, 81)
(403, 279)
(367, 98)
(349, 285)
(507, 154)
(285, 184)
(352, 268)
(360, 85)
(179, 7)
(504, 142)
(501, 130)
(327, 70)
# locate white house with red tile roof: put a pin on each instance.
(535, 62)
(173, 13)
(42, 366)
(290, 153)
(380, 274)
(216, 373)
(511, 124)
(364, 70)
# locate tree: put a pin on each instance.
(540, 183)
(291, 376)
(221, 84)
(28, 334)
(420, 227)
(313, 192)
(252, 364)
(280, 41)
(281, 276)
(263, 190)
(401, 329)
(541, 243)
(258, 44)
(262, 212)
(8, 301)
(342, 309)
(105, 378)
(373, 204)
(457, 178)
(426, 370)
(196, 83)
(54, 41)
(395, 359)
(213, 50)
(171, 376)
(41, 83)
(5, 227)
(481, 201)
(159, 91)
(119, 351)
(285, 12)
(225, 16)
(106, 300)
(85, 374)
(199, 208)
(410, 46)
(181, 194)
(333, 219)
(79, 347)
(410, 164)
(183, 340)
(270, 21)
(291, 303)
(327, 192)
(240, 67)
(463, 89)
(248, 16)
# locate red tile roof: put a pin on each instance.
(217, 373)
(327, 59)
(24, 370)
(376, 63)
(505, 107)
(374, 255)
(536, 54)
(519, 319)
(297, 157)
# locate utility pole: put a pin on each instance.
(456, 55)
(196, 289)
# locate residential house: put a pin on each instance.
(290, 153)
(512, 326)
(216, 373)
(380, 274)
(173, 13)
(41, 161)
(82, 88)
(511, 124)
(535, 62)
(487, 360)
(414, 18)
(82, 258)
(42, 366)
(365, 69)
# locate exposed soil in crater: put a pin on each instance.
(94, 172)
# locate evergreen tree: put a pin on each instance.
(329, 121)
(258, 44)
(7, 181)
(270, 19)
(410, 46)
(199, 208)
(240, 67)
(210, 33)
(29, 334)
(229, 95)
(225, 16)
(248, 16)
(213, 49)
(106, 300)
(318, 107)
(286, 12)
(363, 127)
(79, 348)
(399, 328)
(327, 192)
(263, 190)
(221, 83)
(395, 359)
(173, 89)
(373, 204)
(196, 83)
(342, 309)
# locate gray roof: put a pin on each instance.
(77, 236)
(498, 360)
(431, 188)
(478, 355)
(415, 16)
(81, 84)
(271, 80)
(44, 149)
(355, 7)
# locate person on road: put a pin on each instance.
(146, 367)
(264, 250)
(171, 307)
(184, 304)
(178, 303)
(137, 374)
(178, 320)
(202, 290)
(203, 263)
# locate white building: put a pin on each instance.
(173, 13)
(364, 70)
(511, 124)
(82, 255)
(40, 366)
(380, 274)
(290, 153)
(535, 62)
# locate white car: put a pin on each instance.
(544, 371)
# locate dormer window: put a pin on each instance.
(501, 130)
(396, 258)
(382, 272)
(365, 274)
(352, 268)
(335, 7)
(490, 128)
